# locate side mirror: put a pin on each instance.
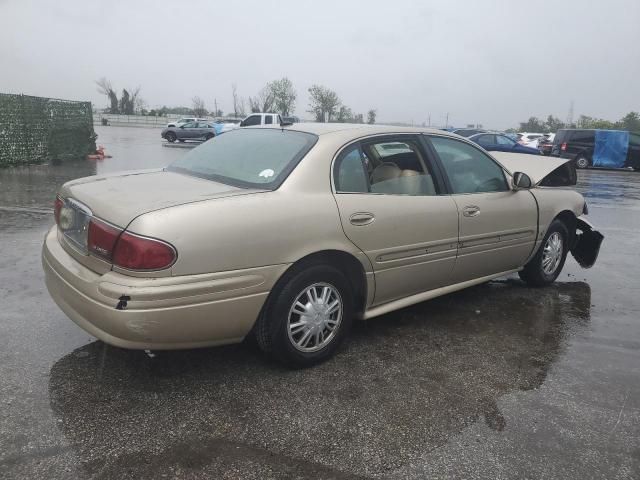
(521, 180)
(182, 126)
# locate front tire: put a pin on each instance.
(307, 316)
(582, 162)
(547, 263)
(171, 137)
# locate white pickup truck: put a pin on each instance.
(261, 119)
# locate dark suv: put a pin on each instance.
(599, 148)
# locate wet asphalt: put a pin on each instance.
(497, 381)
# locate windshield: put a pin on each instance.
(250, 158)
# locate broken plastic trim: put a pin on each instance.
(122, 303)
(586, 246)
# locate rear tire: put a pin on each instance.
(301, 328)
(171, 137)
(547, 263)
(208, 136)
(582, 162)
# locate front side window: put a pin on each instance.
(469, 169)
(252, 120)
(253, 158)
(189, 125)
(268, 120)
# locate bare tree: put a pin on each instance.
(199, 107)
(234, 92)
(371, 116)
(105, 87)
(324, 103)
(254, 104)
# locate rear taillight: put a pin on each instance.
(134, 252)
(563, 147)
(102, 238)
(57, 207)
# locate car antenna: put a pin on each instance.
(285, 123)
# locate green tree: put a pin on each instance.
(553, 124)
(371, 116)
(534, 124)
(284, 96)
(631, 122)
(345, 115)
(584, 121)
(323, 103)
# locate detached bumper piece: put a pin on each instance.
(586, 246)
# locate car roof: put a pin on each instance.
(356, 129)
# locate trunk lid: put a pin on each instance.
(538, 168)
(119, 198)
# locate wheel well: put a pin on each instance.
(343, 261)
(569, 219)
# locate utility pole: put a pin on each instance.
(429, 120)
(570, 115)
(215, 105)
(446, 123)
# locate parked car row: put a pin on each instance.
(201, 129)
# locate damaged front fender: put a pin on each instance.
(586, 245)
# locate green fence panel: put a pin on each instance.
(37, 129)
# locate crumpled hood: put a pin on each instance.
(536, 166)
(119, 198)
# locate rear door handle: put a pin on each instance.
(471, 211)
(362, 218)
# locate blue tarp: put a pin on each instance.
(610, 148)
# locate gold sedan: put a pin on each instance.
(291, 233)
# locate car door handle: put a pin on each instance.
(361, 218)
(471, 211)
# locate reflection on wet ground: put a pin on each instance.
(402, 387)
(498, 381)
(28, 192)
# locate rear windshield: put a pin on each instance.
(249, 158)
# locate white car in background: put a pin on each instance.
(224, 125)
(185, 120)
(529, 139)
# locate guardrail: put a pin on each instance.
(134, 120)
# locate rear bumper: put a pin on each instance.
(161, 313)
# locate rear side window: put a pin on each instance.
(469, 170)
(486, 140)
(384, 167)
(583, 136)
(506, 141)
(351, 176)
(268, 120)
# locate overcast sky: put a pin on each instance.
(489, 62)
